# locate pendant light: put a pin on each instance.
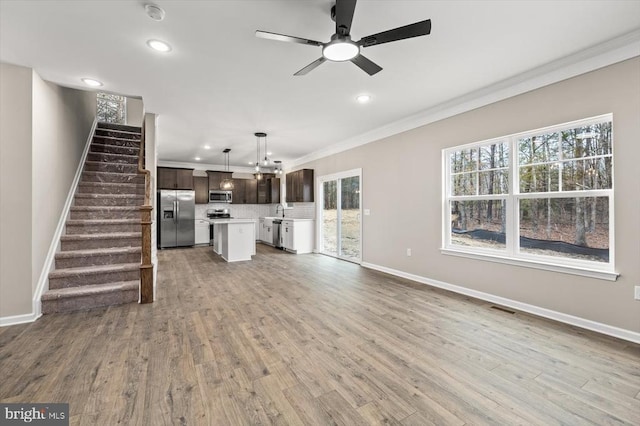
(278, 169)
(226, 184)
(266, 151)
(259, 135)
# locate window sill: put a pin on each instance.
(526, 263)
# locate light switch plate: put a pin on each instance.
(367, 212)
(637, 293)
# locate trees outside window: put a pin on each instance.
(543, 195)
(111, 108)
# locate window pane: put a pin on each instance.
(330, 217)
(494, 156)
(587, 141)
(494, 182)
(575, 228)
(350, 218)
(541, 178)
(464, 160)
(538, 149)
(478, 223)
(464, 184)
(580, 175)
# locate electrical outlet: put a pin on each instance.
(367, 212)
(408, 252)
(637, 293)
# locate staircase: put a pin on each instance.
(99, 261)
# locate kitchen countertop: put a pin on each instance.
(220, 221)
(286, 218)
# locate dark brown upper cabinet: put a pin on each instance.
(171, 178)
(300, 186)
(215, 178)
(201, 186)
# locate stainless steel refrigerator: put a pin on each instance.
(176, 218)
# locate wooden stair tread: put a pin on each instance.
(90, 290)
(97, 252)
(108, 235)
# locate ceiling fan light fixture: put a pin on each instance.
(340, 50)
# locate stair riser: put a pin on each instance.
(138, 201)
(117, 134)
(111, 167)
(73, 304)
(102, 228)
(110, 189)
(107, 259)
(100, 243)
(117, 142)
(114, 126)
(105, 214)
(92, 279)
(113, 149)
(112, 158)
(112, 177)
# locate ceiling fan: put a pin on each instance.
(342, 48)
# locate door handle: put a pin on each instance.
(177, 210)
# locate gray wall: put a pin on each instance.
(15, 190)
(402, 181)
(44, 128)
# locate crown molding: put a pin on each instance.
(604, 54)
(204, 166)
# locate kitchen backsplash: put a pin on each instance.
(302, 211)
(255, 211)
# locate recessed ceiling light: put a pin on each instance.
(207, 147)
(269, 153)
(91, 82)
(251, 162)
(158, 45)
(197, 158)
(363, 99)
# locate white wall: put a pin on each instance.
(402, 181)
(15, 190)
(135, 110)
(43, 129)
(62, 119)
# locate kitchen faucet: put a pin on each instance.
(280, 206)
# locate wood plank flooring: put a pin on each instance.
(306, 340)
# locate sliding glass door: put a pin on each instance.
(340, 215)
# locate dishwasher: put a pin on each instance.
(277, 226)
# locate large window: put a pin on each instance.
(542, 198)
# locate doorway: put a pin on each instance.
(340, 215)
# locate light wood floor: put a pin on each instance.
(308, 339)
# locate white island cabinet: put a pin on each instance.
(297, 235)
(234, 239)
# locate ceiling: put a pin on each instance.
(220, 84)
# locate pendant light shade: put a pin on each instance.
(226, 184)
(278, 169)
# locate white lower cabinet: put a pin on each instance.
(297, 235)
(202, 231)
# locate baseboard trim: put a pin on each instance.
(609, 330)
(43, 280)
(18, 319)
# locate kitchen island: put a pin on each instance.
(234, 239)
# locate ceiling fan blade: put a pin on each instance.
(344, 16)
(311, 66)
(366, 65)
(282, 37)
(408, 31)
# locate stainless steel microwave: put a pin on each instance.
(220, 196)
